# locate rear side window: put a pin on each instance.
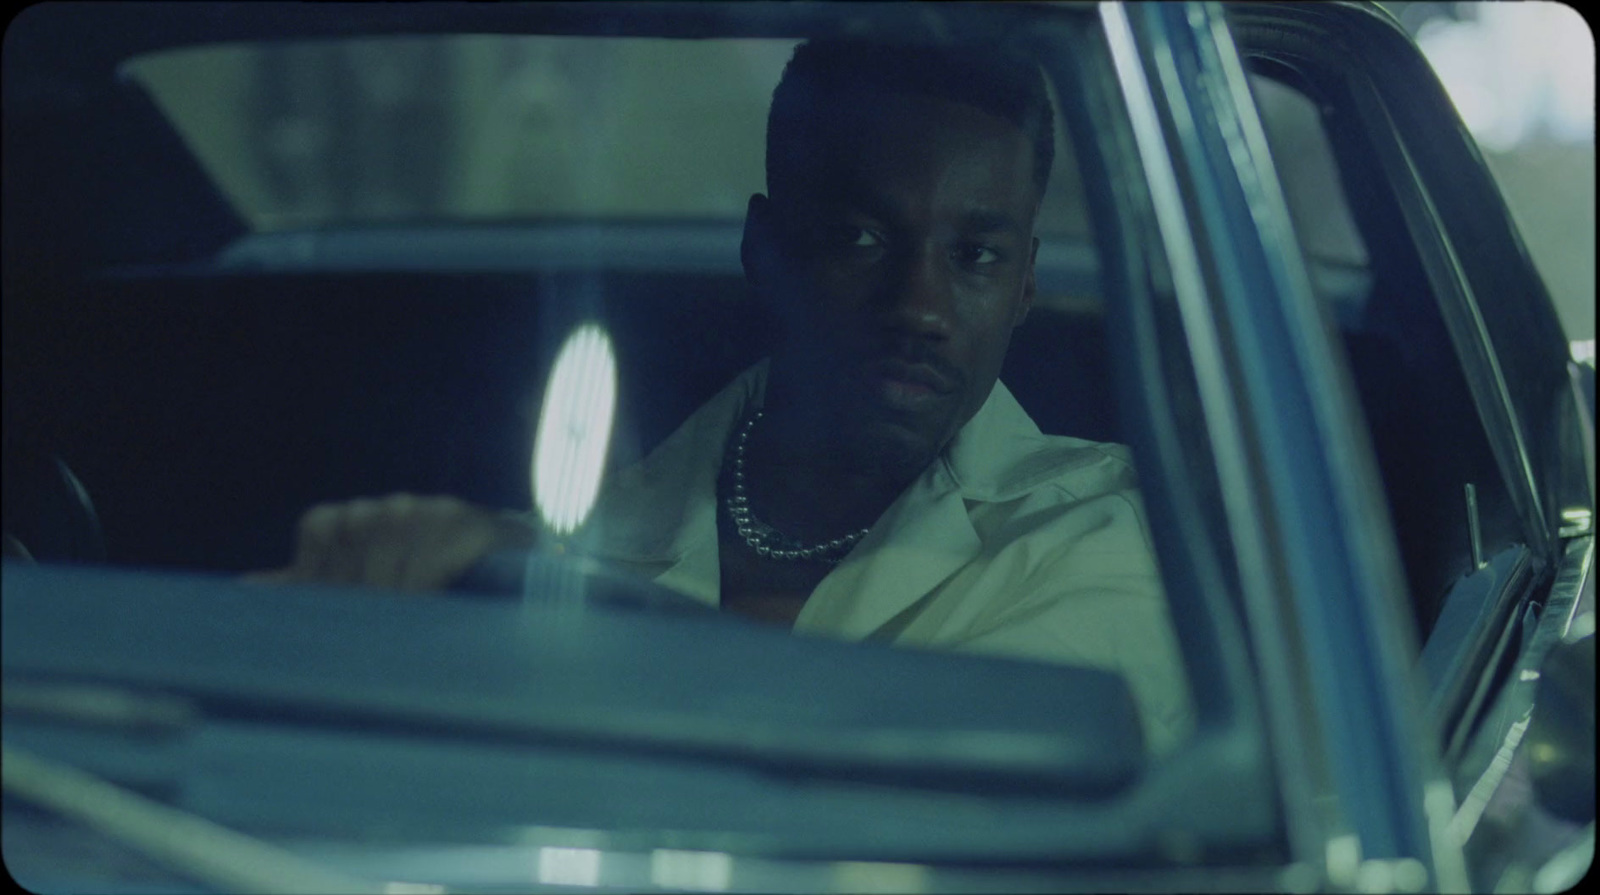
(1430, 444)
(1335, 253)
(491, 128)
(474, 127)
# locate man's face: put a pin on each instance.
(898, 272)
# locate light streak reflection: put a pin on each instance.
(569, 866)
(574, 432)
(699, 871)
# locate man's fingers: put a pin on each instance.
(380, 537)
(361, 529)
(478, 534)
(402, 541)
(408, 531)
(442, 563)
(317, 543)
(450, 535)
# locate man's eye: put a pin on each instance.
(977, 255)
(858, 238)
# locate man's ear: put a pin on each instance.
(1029, 287)
(757, 247)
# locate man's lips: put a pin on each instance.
(907, 386)
(924, 376)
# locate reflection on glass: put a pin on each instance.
(399, 888)
(574, 429)
(699, 871)
(864, 876)
(1583, 351)
(569, 866)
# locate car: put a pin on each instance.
(259, 257)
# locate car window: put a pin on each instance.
(520, 154)
(1366, 264)
(473, 127)
(1336, 255)
(264, 275)
(476, 128)
(1441, 444)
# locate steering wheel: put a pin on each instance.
(46, 509)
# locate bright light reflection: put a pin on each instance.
(1518, 71)
(702, 871)
(1583, 351)
(569, 866)
(569, 450)
(861, 877)
(1344, 859)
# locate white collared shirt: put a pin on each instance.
(1012, 543)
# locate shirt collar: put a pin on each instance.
(664, 508)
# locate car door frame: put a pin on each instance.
(1507, 336)
(1328, 635)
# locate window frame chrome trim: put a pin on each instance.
(1458, 305)
(1311, 819)
(1233, 213)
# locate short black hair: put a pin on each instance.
(822, 75)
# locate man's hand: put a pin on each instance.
(401, 541)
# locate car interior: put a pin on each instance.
(207, 385)
(1402, 362)
(181, 384)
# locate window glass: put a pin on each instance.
(475, 127)
(430, 218)
(1336, 257)
(1364, 260)
(1309, 175)
(490, 127)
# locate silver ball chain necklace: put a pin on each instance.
(765, 540)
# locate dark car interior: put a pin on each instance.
(1403, 363)
(205, 406)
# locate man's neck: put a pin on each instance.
(808, 480)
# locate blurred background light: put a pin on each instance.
(569, 866)
(1583, 351)
(863, 877)
(699, 871)
(574, 434)
(1516, 71)
(1522, 77)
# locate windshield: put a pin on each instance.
(617, 436)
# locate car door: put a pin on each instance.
(1395, 466)
(1319, 577)
(1459, 366)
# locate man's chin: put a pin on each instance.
(899, 449)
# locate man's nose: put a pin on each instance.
(917, 299)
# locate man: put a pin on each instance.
(872, 478)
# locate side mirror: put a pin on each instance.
(1560, 739)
